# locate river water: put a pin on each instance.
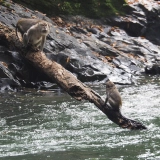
(53, 126)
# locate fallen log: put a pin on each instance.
(65, 79)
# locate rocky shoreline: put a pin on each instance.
(119, 48)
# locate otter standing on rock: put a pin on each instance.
(113, 98)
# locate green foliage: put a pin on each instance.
(90, 8)
(2, 2)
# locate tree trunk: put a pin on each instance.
(65, 79)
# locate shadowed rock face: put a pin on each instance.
(118, 48)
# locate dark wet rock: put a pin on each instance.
(130, 24)
(102, 35)
(7, 84)
(83, 64)
(118, 48)
(78, 30)
(93, 30)
(101, 47)
(143, 20)
(18, 70)
(152, 69)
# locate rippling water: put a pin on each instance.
(51, 126)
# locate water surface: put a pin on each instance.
(53, 126)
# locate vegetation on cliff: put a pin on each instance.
(89, 8)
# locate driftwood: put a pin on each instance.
(65, 79)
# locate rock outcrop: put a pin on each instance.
(118, 48)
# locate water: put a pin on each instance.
(51, 126)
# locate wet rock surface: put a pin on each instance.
(118, 48)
